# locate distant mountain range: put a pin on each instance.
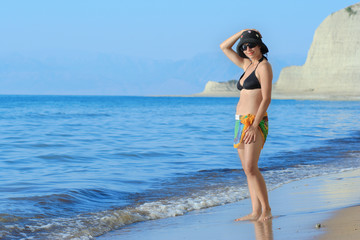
(105, 74)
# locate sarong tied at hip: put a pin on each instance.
(243, 122)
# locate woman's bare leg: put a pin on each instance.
(256, 206)
(249, 156)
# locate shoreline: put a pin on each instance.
(276, 95)
(297, 207)
(316, 96)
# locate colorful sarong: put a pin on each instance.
(243, 122)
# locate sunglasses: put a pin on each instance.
(250, 45)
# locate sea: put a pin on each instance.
(77, 167)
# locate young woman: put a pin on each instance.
(251, 126)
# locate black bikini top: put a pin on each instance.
(251, 82)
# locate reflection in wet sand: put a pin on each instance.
(264, 230)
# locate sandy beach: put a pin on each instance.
(344, 224)
(314, 208)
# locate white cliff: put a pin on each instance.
(332, 67)
(220, 89)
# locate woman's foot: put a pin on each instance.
(266, 215)
(250, 217)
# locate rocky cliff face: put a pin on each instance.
(332, 67)
(220, 89)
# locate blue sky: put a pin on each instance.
(54, 31)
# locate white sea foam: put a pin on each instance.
(87, 226)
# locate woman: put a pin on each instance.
(251, 126)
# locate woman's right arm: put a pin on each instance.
(226, 47)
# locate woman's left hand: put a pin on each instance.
(250, 135)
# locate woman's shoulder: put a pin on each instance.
(264, 69)
(264, 65)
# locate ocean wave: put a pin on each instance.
(90, 225)
(149, 154)
(45, 145)
(64, 115)
(58, 157)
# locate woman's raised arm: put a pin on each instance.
(226, 47)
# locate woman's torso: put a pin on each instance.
(249, 102)
(250, 99)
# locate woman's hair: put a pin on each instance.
(263, 49)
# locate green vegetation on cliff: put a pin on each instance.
(350, 11)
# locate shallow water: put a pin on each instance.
(78, 167)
